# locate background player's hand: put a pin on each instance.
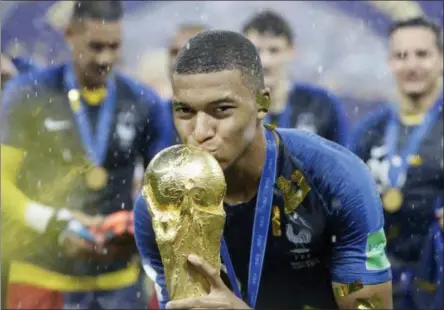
(440, 215)
(220, 296)
(114, 228)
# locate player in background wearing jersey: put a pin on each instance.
(71, 135)
(183, 33)
(402, 145)
(326, 216)
(295, 105)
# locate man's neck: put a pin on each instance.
(279, 96)
(421, 104)
(85, 83)
(243, 177)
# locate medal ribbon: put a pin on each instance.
(415, 139)
(260, 226)
(96, 145)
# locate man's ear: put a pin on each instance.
(263, 101)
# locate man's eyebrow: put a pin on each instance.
(222, 100)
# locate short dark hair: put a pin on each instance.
(101, 10)
(269, 22)
(419, 22)
(219, 50)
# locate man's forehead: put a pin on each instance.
(413, 36)
(96, 27)
(227, 83)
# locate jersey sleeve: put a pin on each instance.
(338, 127)
(16, 116)
(148, 250)
(359, 242)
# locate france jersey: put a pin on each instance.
(326, 226)
(315, 110)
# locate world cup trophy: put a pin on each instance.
(184, 188)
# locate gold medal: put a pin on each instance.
(392, 200)
(97, 178)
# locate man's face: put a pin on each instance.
(276, 55)
(179, 40)
(96, 48)
(217, 112)
(415, 60)
(8, 70)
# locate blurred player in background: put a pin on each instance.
(294, 105)
(8, 68)
(403, 145)
(183, 33)
(71, 135)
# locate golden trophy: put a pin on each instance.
(184, 188)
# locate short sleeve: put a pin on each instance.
(16, 123)
(359, 247)
(148, 250)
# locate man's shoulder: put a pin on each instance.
(37, 79)
(375, 120)
(312, 93)
(322, 159)
(134, 89)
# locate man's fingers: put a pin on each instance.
(212, 275)
(197, 303)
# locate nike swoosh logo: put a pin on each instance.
(53, 125)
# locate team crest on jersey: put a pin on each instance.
(294, 191)
(306, 122)
(126, 129)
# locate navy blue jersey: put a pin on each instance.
(24, 65)
(327, 228)
(315, 110)
(37, 118)
(424, 183)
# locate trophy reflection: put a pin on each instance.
(184, 188)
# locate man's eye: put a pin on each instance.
(222, 109)
(182, 110)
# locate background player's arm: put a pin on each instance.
(148, 250)
(16, 136)
(359, 243)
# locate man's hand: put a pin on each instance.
(440, 215)
(220, 297)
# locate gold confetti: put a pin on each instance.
(425, 286)
(293, 198)
(270, 126)
(373, 302)
(347, 289)
(276, 222)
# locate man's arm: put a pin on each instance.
(148, 250)
(18, 211)
(359, 242)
